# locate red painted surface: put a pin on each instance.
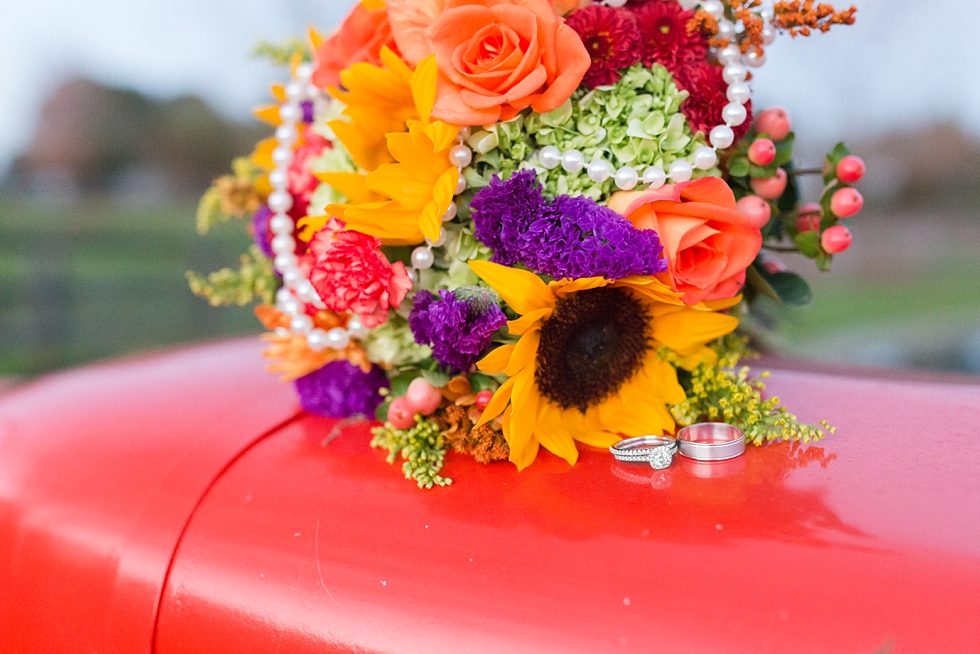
(100, 470)
(869, 539)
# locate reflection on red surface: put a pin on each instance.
(313, 548)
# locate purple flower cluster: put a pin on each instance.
(457, 324)
(260, 228)
(341, 390)
(569, 238)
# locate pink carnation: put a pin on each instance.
(352, 274)
(302, 182)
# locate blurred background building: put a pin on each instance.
(117, 115)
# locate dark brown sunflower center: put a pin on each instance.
(594, 342)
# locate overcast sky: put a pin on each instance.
(903, 64)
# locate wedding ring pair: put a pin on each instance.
(706, 441)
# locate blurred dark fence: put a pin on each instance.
(95, 279)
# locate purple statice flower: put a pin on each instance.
(341, 390)
(308, 111)
(572, 237)
(457, 324)
(260, 229)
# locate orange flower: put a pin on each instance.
(708, 244)
(496, 57)
(291, 354)
(359, 39)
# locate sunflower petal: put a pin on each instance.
(522, 290)
(498, 402)
(529, 321)
(687, 330)
(524, 353)
(496, 361)
(553, 435)
(521, 454)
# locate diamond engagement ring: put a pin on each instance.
(711, 441)
(658, 451)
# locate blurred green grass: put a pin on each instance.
(99, 279)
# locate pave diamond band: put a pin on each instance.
(658, 451)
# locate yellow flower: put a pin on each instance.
(586, 366)
(403, 202)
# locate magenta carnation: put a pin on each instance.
(350, 273)
(665, 38)
(612, 38)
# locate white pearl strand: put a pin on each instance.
(720, 137)
(297, 292)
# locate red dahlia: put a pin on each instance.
(708, 97)
(612, 39)
(664, 37)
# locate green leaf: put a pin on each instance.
(481, 382)
(840, 151)
(754, 279)
(399, 383)
(738, 167)
(823, 262)
(791, 288)
(436, 377)
(762, 172)
(381, 413)
(808, 243)
(784, 150)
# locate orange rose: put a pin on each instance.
(707, 243)
(496, 57)
(358, 40)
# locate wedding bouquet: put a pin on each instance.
(506, 225)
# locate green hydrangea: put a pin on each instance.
(636, 122)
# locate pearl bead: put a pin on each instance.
(439, 242)
(278, 178)
(616, 3)
(766, 14)
(722, 137)
(304, 70)
(280, 201)
(283, 243)
(550, 157)
(294, 90)
(734, 114)
(301, 324)
(627, 178)
(281, 224)
(600, 171)
(287, 134)
(291, 306)
(338, 338)
(291, 276)
(734, 72)
(317, 340)
(726, 30)
(312, 91)
(755, 59)
(739, 92)
(285, 261)
(460, 185)
(730, 54)
(422, 258)
(461, 156)
(450, 213)
(282, 295)
(465, 133)
(305, 291)
(705, 158)
(282, 156)
(688, 4)
(572, 161)
(714, 8)
(680, 171)
(356, 328)
(282, 332)
(290, 112)
(655, 177)
(768, 34)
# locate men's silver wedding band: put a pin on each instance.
(711, 441)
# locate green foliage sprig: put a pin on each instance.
(716, 393)
(253, 280)
(281, 54)
(421, 447)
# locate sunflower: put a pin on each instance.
(586, 366)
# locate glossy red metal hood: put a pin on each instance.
(312, 543)
(100, 470)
